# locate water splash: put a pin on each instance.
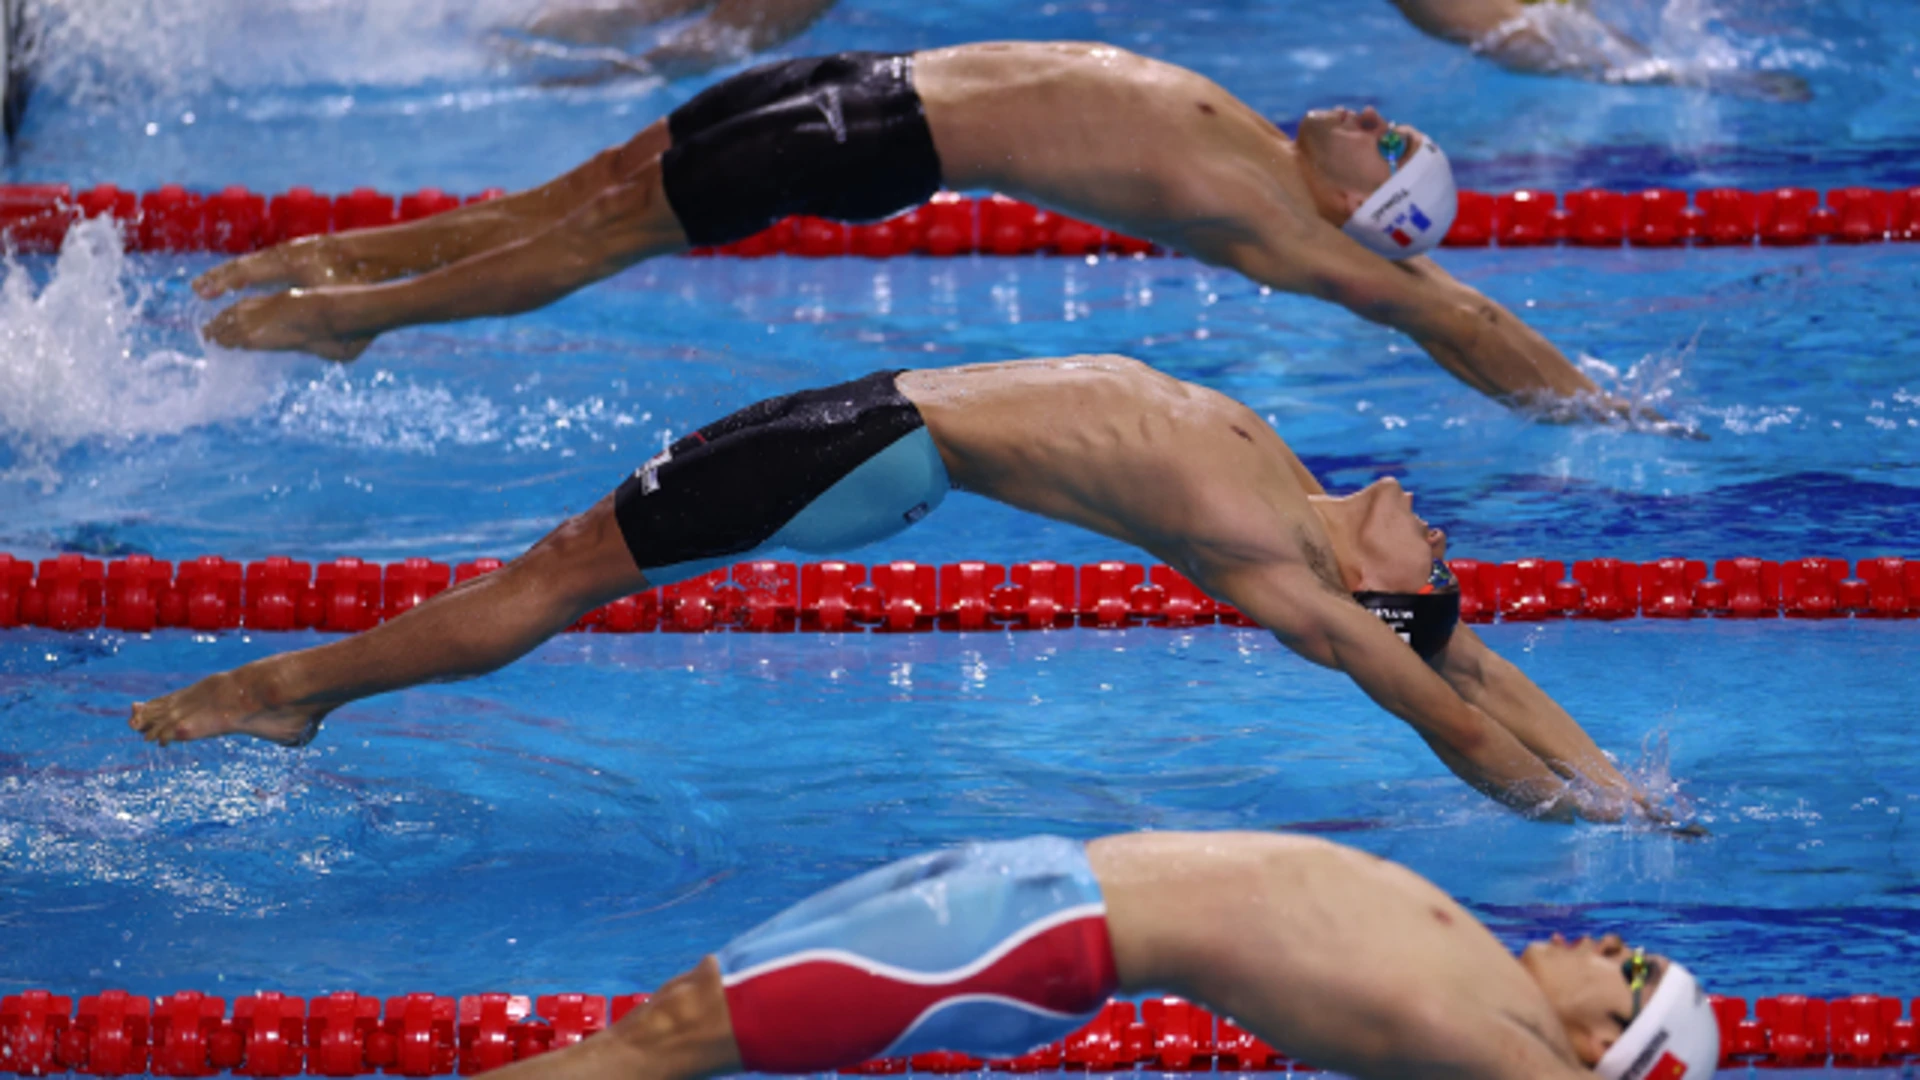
(118, 50)
(74, 370)
(1677, 42)
(382, 411)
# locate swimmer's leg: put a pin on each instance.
(471, 629)
(369, 255)
(626, 222)
(680, 1033)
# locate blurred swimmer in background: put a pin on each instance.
(1564, 37)
(605, 35)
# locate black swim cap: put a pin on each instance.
(1424, 620)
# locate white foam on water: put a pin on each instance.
(116, 48)
(378, 410)
(74, 370)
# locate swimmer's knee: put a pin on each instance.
(585, 556)
(687, 1015)
(637, 153)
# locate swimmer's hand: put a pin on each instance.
(295, 321)
(1607, 409)
(1662, 820)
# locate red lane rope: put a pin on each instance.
(343, 1034)
(232, 221)
(210, 593)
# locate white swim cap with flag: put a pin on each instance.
(1410, 213)
(1675, 1037)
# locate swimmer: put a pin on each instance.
(1356, 583)
(730, 30)
(1346, 213)
(1564, 37)
(1331, 955)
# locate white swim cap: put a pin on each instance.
(1409, 214)
(1675, 1037)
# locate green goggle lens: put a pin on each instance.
(1393, 147)
(1636, 970)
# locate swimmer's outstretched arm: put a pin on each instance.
(733, 30)
(1331, 630)
(469, 630)
(582, 24)
(1583, 46)
(1474, 338)
(1491, 683)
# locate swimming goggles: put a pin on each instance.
(1637, 970)
(1440, 579)
(1393, 147)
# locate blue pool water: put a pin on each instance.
(597, 816)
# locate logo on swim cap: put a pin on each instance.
(1676, 1037)
(1424, 620)
(1409, 214)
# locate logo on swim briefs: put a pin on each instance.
(915, 514)
(1412, 217)
(649, 473)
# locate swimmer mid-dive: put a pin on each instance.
(1331, 955)
(1345, 213)
(1355, 583)
(1563, 37)
(727, 31)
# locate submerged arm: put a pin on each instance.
(734, 29)
(607, 25)
(1568, 39)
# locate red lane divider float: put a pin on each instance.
(233, 220)
(210, 593)
(342, 1034)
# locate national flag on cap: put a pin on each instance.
(1668, 1068)
(1413, 217)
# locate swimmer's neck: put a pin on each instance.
(1341, 519)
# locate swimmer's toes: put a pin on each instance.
(228, 276)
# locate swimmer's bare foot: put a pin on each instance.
(293, 321)
(230, 703)
(302, 264)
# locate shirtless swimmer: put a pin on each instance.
(1331, 955)
(1346, 213)
(1355, 583)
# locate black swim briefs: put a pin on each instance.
(841, 137)
(736, 484)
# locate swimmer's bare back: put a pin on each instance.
(1348, 961)
(1111, 445)
(1143, 146)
